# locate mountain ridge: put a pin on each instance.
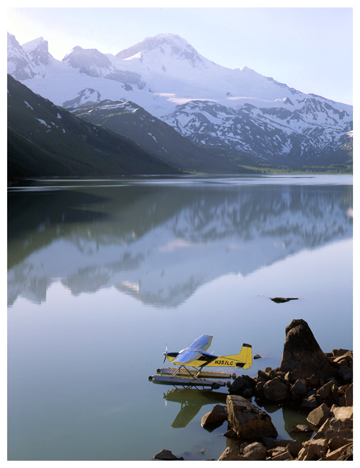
(166, 76)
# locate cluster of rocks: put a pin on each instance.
(306, 376)
(332, 430)
(319, 384)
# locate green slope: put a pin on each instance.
(46, 140)
(160, 139)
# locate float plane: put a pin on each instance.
(195, 356)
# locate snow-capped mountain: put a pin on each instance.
(237, 110)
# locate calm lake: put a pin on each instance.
(104, 274)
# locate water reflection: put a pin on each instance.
(160, 243)
(191, 401)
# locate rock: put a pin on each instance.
(341, 454)
(275, 390)
(338, 442)
(340, 352)
(342, 413)
(344, 359)
(312, 381)
(230, 434)
(271, 443)
(313, 449)
(299, 389)
(281, 300)
(254, 451)
(262, 376)
(335, 428)
(324, 391)
(276, 451)
(282, 456)
(239, 384)
(230, 454)
(294, 448)
(302, 355)
(301, 428)
(259, 388)
(309, 402)
(215, 417)
(166, 455)
(318, 416)
(349, 396)
(247, 420)
(345, 373)
(257, 356)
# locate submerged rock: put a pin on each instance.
(166, 455)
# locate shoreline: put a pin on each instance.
(317, 384)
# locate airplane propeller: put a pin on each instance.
(165, 353)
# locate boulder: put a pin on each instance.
(325, 391)
(338, 442)
(301, 428)
(279, 453)
(318, 416)
(276, 451)
(294, 447)
(302, 356)
(275, 390)
(340, 352)
(335, 428)
(343, 413)
(215, 417)
(238, 385)
(254, 451)
(309, 402)
(299, 389)
(166, 455)
(312, 381)
(341, 454)
(230, 454)
(282, 456)
(247, 420)
(345, 373)
(314, 449)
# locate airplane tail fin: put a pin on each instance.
(242, 360)
(244, 357)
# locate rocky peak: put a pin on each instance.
(18, 63)
(37, 51)
(87, 60)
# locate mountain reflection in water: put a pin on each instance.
(161, 242)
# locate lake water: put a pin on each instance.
(103, 275)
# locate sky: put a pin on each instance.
(307, 48)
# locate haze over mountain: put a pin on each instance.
(237, 111)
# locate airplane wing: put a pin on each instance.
(194, 351)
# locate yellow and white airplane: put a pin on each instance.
(195, 356)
